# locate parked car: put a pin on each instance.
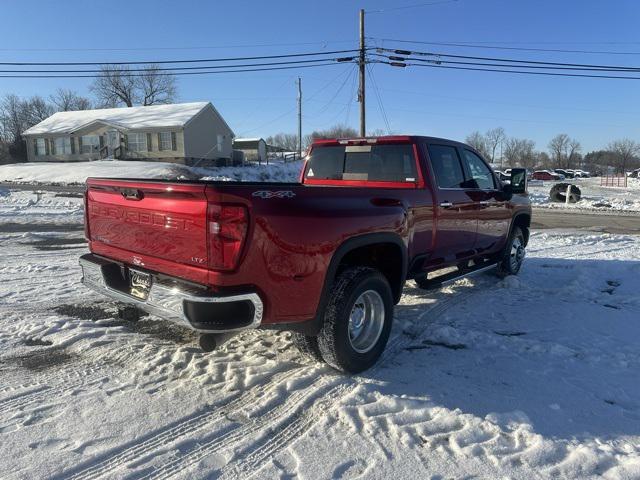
(634, 173)
(565, 173)
(326, 258)
(545, 175)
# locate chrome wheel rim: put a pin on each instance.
(366, 321)
(517, 253)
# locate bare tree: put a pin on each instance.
(542, 160)
(625, 150)
(120, 85)
(574, 156)
(38, 109)
(558, 149)
(66, 100)
(286, 141)
(155, 87)
(478, 141)
(337, 131)
(520, 152)
(13, 118)
(115, 85)
(16, 116)
(494, 138)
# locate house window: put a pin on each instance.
(219, 145)
(63, 146)
(165, 141)
(137, 142)
(41, 148)
(90, 144)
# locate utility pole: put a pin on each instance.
(361, 91)
(299, 117)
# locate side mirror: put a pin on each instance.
(518, 180)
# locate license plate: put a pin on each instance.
(140, 283)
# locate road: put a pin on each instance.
(48, 188)
(544, 218)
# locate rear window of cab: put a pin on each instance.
(362, 163)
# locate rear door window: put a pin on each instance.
(446, 166)
(375, 163)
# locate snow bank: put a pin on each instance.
(594, 197)
(78, 172)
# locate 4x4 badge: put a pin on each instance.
(273, 194)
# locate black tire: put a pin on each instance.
(334, 341)
(308, 346)
(507, 264)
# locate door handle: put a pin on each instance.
(446, 204)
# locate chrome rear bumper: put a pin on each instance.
(174, 304)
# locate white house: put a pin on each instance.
(189, 133)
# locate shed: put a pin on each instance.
(254, 149)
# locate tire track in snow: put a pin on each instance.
(180, 430)
(279, 415)
(298, 425)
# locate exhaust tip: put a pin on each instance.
(208, 341)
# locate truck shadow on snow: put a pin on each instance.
(555, 347)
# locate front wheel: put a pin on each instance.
(513, 255)
(357, 320)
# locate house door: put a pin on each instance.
(113, 141)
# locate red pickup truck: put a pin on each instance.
(326, 258)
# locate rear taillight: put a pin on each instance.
(87, 234)
(227, 230)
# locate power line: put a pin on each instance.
(519, 71)
(510, 60)
(335, 95)
(415, 5)
(288, 112)
(199, 60)
(198, 47)
(490, 47)
(172, 69)
(180, 73)
(507, 65)
(379, 98)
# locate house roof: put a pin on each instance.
(154, 116)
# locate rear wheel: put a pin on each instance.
(308, 346)
(357, 320)
(513, 254)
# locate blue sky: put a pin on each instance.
(417, 100)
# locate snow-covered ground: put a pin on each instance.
(77, 172)
(40, 206)
(535, 376)
(594, 197)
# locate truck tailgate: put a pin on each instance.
(166, 221)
